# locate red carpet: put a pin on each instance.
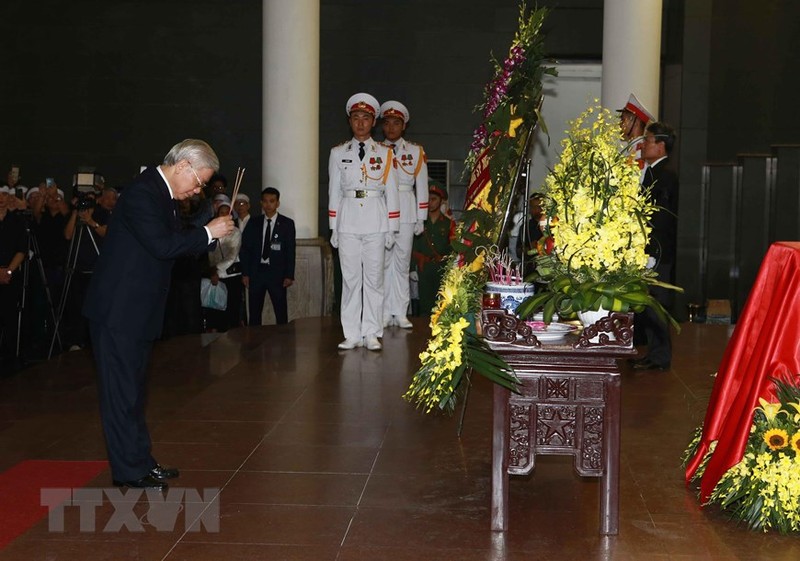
(20, 489)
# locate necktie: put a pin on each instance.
(267, 240)
(361, 151)
(394, 148)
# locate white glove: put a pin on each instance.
(419, 227)
(413, 276)
(389, 240)
(651, 262)
(335, 239)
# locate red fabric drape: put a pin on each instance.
(765, 344)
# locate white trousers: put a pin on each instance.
(395, 278)
(361, 258)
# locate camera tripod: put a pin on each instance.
(72, 258)
(32, 255)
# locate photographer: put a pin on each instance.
(50, 217)
(87, 212)
(85, 231)
(106, 202)
(12, 253)
(18, 192)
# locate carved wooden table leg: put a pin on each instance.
(500, 459)
(609, 481)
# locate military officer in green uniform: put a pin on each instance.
(432, 248)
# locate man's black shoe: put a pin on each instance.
(146, 482)
(161, 472)
(647, 364)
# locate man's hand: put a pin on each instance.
(287, 283)
(335, 239)
(419, 227)
(214, 278)
(5, 275)
(86, 216)
(221, 226)
(389, 240)
(245, 281)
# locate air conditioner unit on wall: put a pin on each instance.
(439, 170)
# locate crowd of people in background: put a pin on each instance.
(50, 239)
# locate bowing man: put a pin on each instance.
(127, 296)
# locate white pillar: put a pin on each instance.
(290, 121)
(631, 52)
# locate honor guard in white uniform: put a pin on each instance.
(363, 214)
(633, 119)
(412, 179)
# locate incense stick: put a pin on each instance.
(237, 184)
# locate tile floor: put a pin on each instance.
(317, 457)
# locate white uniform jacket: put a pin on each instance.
(412, 175)
(362, 195)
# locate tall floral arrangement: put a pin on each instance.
(509, 114)
(763, 489)
(597, 232)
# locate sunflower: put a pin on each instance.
(776, 439)
(795, 442)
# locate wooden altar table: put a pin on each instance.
(569, 404)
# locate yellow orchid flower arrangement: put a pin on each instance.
(597, 218)
(454, 345)
(763, 489)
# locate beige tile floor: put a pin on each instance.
(318, 458)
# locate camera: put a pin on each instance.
(85, 201)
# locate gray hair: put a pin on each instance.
(198, 152)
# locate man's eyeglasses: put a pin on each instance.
(197, 177)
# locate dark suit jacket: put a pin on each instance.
(129, 287)
(663, 239)
(281, 260)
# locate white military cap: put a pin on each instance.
(635, 106)
(222, 199)
(5, 189)
(394, 108)
(362, 102)
(243, 197)
(31, 191)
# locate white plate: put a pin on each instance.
(550, 333)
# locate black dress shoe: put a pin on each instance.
(647, 364)
(146, 482)
(161, 472)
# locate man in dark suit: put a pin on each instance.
(127, 296)
(663, 184)
(267, 258)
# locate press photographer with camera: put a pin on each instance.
(12, 254)
(84, 231)
(50, 215)
(85, 212)
(17, 191)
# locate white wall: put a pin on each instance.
(565, 97)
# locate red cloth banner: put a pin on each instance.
(478, 181)
(765, 345)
